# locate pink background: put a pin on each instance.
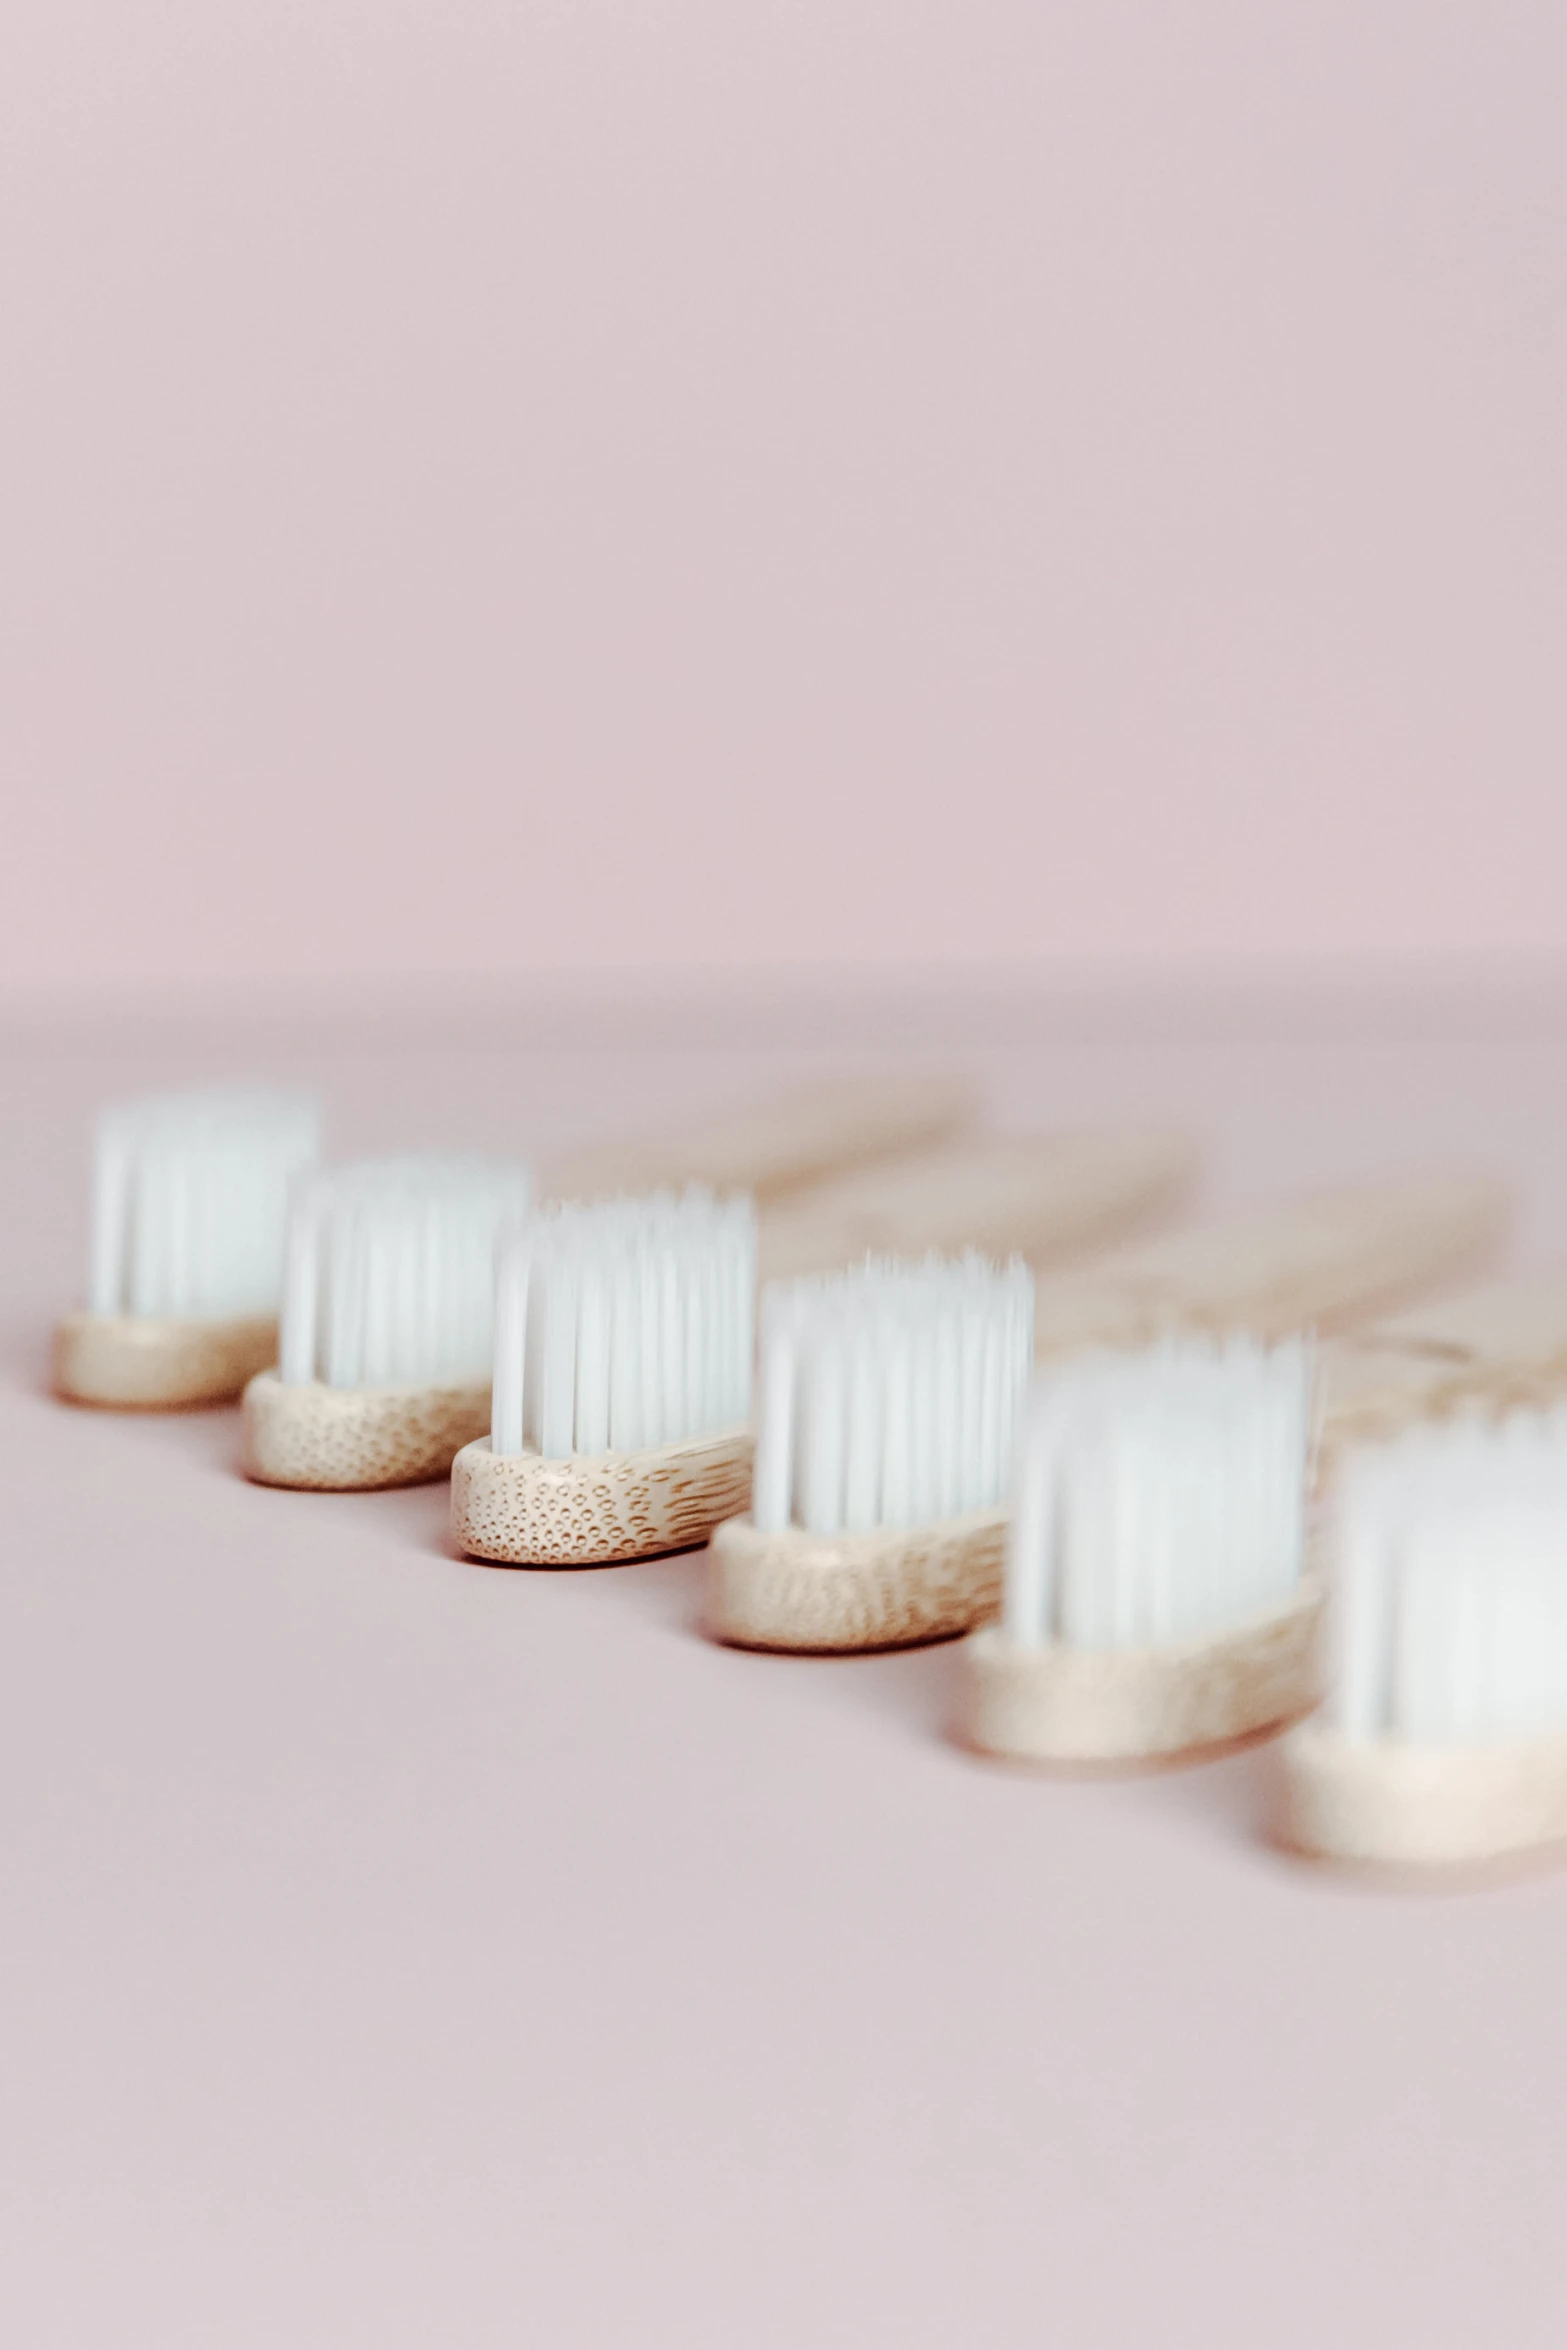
(529, 488)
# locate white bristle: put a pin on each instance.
(1159, 1496)
(391, 1272)
(889, 1395)
(625, 1324)
(190, 1198)
(1449, 1605)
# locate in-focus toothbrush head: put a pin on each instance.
(391, 1272)
(622, 1396)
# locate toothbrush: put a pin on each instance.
(1044, 1197)
(1155, 1597)
(1272, 1270)
(1443, 1740)
(189, 1198)
(622, 1388)
(886, 1407)
(1056, 1682)
(384, 1359)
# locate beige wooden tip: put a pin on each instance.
(1104, 1705)
(599, 1509)
(142, 1362)
(839, 1593)
(1040, 1196)
(1318, 1262)
(356, 1439)
(1383, 1801)
(767, 1147)
(1502, 1345)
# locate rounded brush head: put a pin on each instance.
(321, 1439)
(622, 1389)
(189, 1200)
(388, 1313)
(596, 1509)
(1443, 1737)
(844, 1594)
(886, 1408)
(1154, 1599)
(1142, 1705)
(159, 1363)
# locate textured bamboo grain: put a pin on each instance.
(601, 1509)
(817, 1594)
(1045, 1197)
(131, 1362)
(1118, 1705)
(769, 1147)
(356, 1439)
(1383, 1801)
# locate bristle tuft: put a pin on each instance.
(391, 1272)
(1160, 1496)
(889, 1395)
(625, 1324)
(1449, 1608)
(190, 1199)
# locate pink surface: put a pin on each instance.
(400, 1952)
(495, 488)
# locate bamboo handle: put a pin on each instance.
(770, 1147)
(1041, 1196)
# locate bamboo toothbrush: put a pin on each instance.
(336, 1417)
(1155, 1597)
(189, 1197)
(886, 1408)
(622, 1390)
(1072, 1673)
(1443, 1741)
(1321, 1259)
(384, 1362)
(1044, 1197)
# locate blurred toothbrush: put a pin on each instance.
(189, 1200)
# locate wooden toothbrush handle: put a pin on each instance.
(769, 1147)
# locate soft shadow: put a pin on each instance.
(666, 1591)
(910, 1686)
(1538, 1870)
(1235, 1790)
(27, 1359)
(207, 1435)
